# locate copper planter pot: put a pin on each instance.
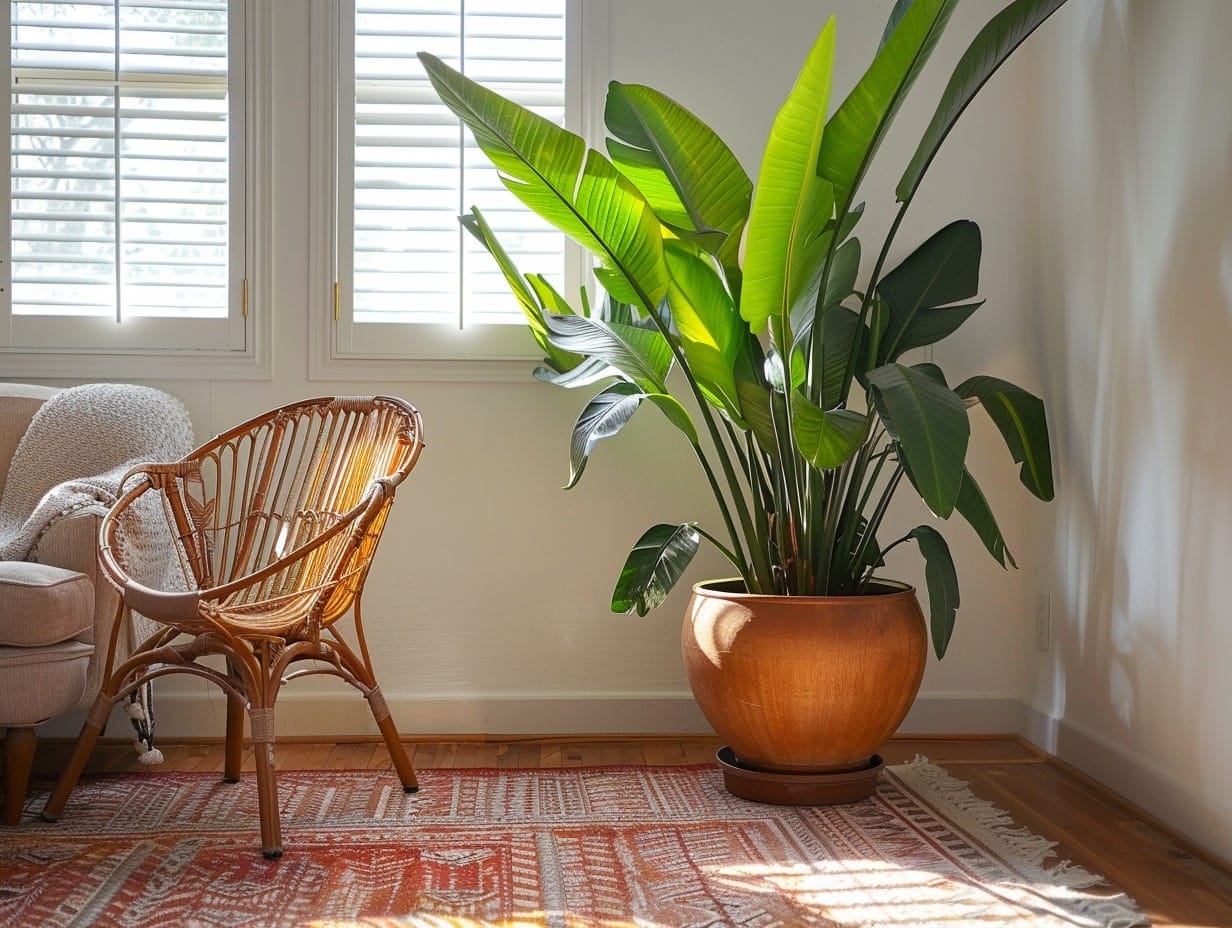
(804, 684)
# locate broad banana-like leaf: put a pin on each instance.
(603, 417)
(686, 172)
(944, 270)
(826, 438)
(590, 371)
(551, 298)
(942, 581)
(973, 507)
(579, 192)
(755, 406)
(856, 129)
(900, 7)
(784, 246)
(607, 414)
(653, 567)
(986, 53)
(929, 421)
(1021, 419)
(712, 335)
(840, 283)
(532, 308)
(840, 326)
(641, 355)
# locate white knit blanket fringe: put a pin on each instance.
(71, 462)
(1024, 852)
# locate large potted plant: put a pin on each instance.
(744, 316)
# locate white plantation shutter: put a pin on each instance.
(126, 191)
(412, 280)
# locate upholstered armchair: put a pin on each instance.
(60, 467)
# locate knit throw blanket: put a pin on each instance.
(72, 460)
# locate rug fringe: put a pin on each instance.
(995, 829)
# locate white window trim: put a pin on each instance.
(254, 361)
(586, 77)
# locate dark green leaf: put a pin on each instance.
(687, 173)
(826, 438)
(930, 423)
(603, 417)
(942, 582)
(755, 400)
(973, 507)
(1023, 424)
(653, 567)
(989, 50)
(945, 269)
(840, 326)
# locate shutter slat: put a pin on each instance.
(409, 260)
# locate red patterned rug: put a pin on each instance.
(654, 847)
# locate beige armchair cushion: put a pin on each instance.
(43, 605)
(42, 683)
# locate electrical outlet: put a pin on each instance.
(1043, 621)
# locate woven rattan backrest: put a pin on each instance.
(246, 501)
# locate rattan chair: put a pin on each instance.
(275, 523)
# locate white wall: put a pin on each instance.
(1134, 301)
(487, 607)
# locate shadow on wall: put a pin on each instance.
(1138, 263)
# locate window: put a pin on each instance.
(410, 281)
(127, 209)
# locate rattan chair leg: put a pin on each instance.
(267, 801)
(397, 753)
(235, 739)
(19, 745)
(81, 756)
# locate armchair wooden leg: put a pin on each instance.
(81, 756)
(235, 738)
(267, 785)
(19, 745)
(397, 750)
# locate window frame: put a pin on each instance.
(165, 346)
(417, 350)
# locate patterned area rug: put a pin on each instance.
(610, 846)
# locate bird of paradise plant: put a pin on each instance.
(806, 416)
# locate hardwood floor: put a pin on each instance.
(1176, 885)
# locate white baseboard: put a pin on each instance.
(1204, 820)
(310, 715)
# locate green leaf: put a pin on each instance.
(839, 328)
(930, 424)
(856, 129)
(676, 414)
(840, 284)
(641, 355)
(590, 371)
(826, 438)
(1023, 423)
(942, 582)
(987, 52)
(687, 173)
(532, 308)
(945, 269)
(579, 192)
(783, 248)
(755, 400)
(973, 507)
(653, 567)
(550, 297)
(712, 335)
(603, 417)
